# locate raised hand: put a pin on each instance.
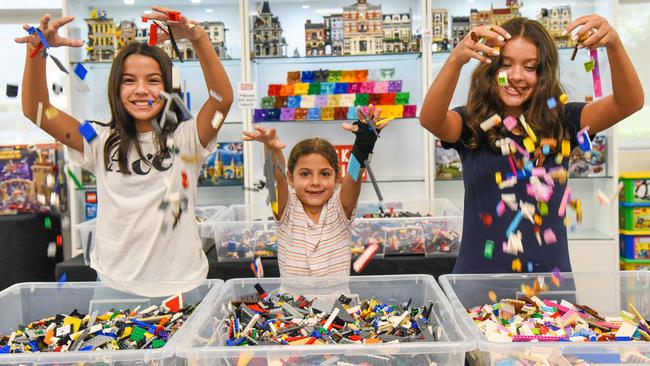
(268, 137)
(595, 31)
(480, 39)
(184, 28)
(373, 114)
(51, 33)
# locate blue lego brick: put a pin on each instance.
(81, 71)
(87, 131)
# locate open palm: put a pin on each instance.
(51, 33)
(268, 137)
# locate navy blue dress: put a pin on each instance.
(482, 195)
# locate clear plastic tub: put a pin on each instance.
(27, 302)
(606, 292)
(203, 341)
(435, 235)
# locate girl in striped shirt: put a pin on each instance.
(315, 215)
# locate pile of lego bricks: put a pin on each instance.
(114, 330)
(530, 319)
(259, 319)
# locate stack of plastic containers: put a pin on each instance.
(634, 216)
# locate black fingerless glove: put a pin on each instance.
(364, 142)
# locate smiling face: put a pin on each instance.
(520, 62)
(314, 180)
(141, 83)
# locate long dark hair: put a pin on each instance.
(484, 101)
(123, 132)
(314, 145)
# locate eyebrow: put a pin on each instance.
(526, 60)
(149, 75)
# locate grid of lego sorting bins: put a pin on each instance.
(82, 323)
(322, 95)
(431, 228)
(601, 317)
(634, 220)
(210, 339)
(205, 215)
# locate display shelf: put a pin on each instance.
(337, 59)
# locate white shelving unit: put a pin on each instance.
(404, 160)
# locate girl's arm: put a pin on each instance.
(363, 146)
(213, 71)
(273, 146)
(64, 128)
(627, 92)
(435, 115)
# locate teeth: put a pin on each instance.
(141, 103)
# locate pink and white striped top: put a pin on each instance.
(314, 249)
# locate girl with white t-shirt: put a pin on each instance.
(314, 218)
(146, 175)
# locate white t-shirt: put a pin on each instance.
(130, 243)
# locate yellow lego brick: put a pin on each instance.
(566, 148)
(75, 322)
(529, 144)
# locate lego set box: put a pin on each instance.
(224, 167)
(31, 179)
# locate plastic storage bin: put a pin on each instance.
(203, 341)
(634, 216)
(27, 302)
(435, 235)
(634, 264)
(635, 244)
(636, 187)
(606, 292)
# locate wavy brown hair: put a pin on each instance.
(123, 132)
(484, 101)
(314, 145)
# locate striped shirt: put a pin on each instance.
(314, 249)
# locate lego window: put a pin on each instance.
(633, 25)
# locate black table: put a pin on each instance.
(23, 249)
(76, 270)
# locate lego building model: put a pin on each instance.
(361, 29)
(555, 20)
(440, 30)
(459, 29)
(267, 34)
(106, 38)
(495, 16)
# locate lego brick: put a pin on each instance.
(341, 88)
(348, 76)
(260, 115)
(388, 98)
(340, 113)
(307, 76)
(314, 88)
(361, 75)
(367, 87)
(361, 99)
(286, 114)
(354, 88)
(410, 111)
(300, 114)
(381, 87)
(274, 114)
(327, 88)
(308, 101)
(286, 90)
(402, 98)
(327, 113)
(268, 102)
(334, 76)
(280, 102)
(321, 101)
(301, 88)
(293, 101)
(313, 114)
(274, 90)
(395, 86)
(293, 77)
(334, 100)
